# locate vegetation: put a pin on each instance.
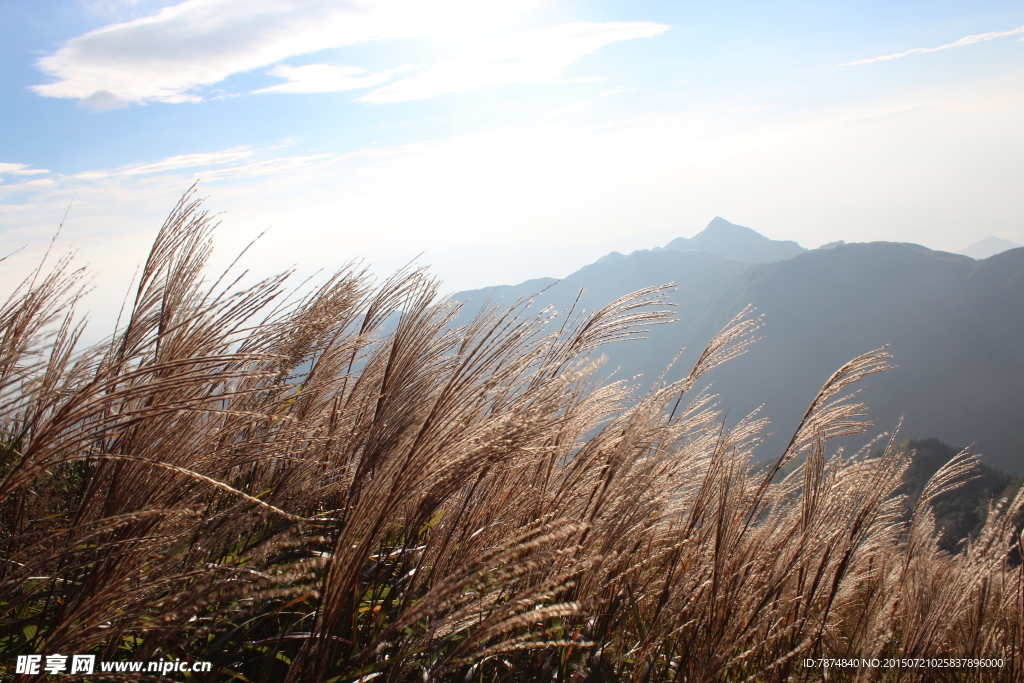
(959, 514)
(341, 486)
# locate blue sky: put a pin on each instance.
(508, 140)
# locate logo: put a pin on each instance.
(55, 664)
(86, 664)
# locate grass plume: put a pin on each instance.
(344, 486)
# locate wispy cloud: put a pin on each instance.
(313, 78)
(238, 162)
(530, 56)
(20, 169)
(174, 163)
(267, 167)
(210, 166)
(169, 55)
(172, 55)
(967, 40)
(881, 115)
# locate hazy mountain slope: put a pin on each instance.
(737, 242)
(988, 246)
(699, 277)
(954, 326)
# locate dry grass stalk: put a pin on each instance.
(343, 485)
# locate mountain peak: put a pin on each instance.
(736, 241)
(988, 246)
(719, 228)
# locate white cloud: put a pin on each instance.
(19, 169)
(267, 167)
(238, 162)
(967, 40)
(102, 100)
(313, 78)
(175, 162)
(530, 56)
(168, 55)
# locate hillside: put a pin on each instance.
(960, 513)
(952, 324)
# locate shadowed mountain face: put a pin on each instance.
(736, 242)
(953, 324)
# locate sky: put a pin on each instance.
(501, 141)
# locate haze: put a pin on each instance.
(503, 144)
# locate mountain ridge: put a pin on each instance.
(988, 246)
(951, 322)
(736, 241)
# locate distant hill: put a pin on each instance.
(736, 242)
(954, 325)
(988, 246)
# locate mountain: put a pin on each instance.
(736, 242)
(954, 326)
(699, 278)
(988, 246)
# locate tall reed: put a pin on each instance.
(343, 485)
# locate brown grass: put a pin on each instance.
(425, 502)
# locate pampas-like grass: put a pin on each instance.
(344, 486)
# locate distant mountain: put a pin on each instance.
(988, 246)
(954, 325)
(736, 242)
(699, 277)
